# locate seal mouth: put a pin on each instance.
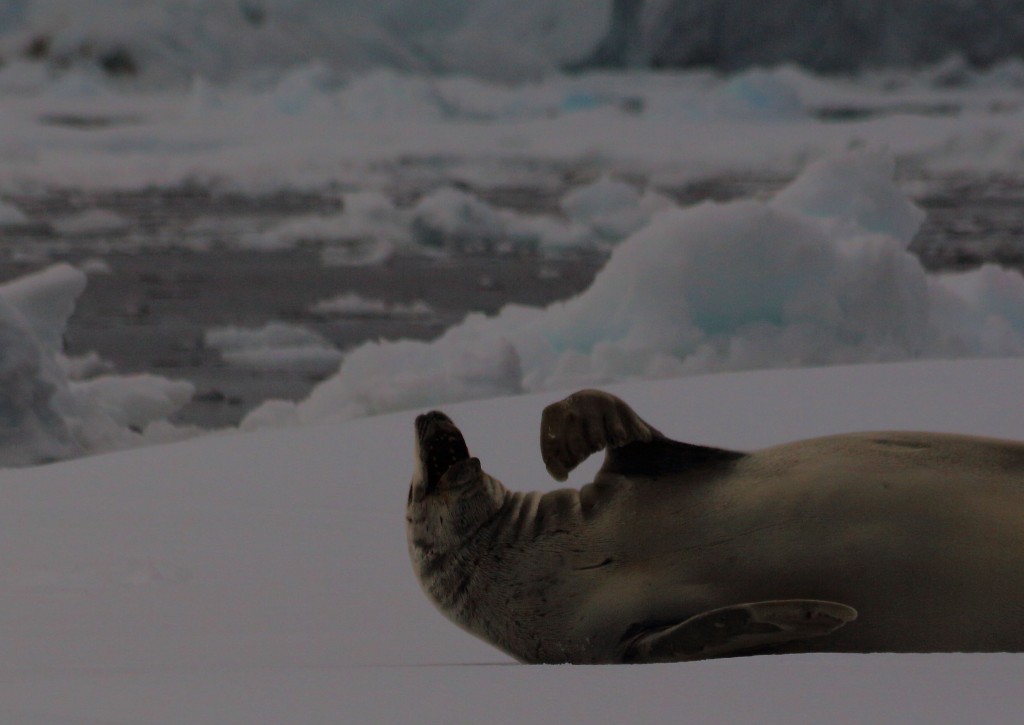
(441, 446)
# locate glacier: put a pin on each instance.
(175, 40)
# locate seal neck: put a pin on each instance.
(447, 521)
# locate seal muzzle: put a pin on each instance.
(441, 446)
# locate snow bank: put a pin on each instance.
(276, 347)
(46, 411)
(819, 275)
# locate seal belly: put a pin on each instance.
(910, 544)
(915, 531)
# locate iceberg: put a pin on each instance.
(176, 40)
(47, 412)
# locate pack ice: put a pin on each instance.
(818, 275)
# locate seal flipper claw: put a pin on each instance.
(739, 629)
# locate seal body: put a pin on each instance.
(898, 542)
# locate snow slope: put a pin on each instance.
(263, 578)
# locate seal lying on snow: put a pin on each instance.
(898, 542)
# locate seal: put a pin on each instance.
(866, 542)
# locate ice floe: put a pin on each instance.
(819, 275)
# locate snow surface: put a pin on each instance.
(263, 578)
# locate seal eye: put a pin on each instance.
(441, 446)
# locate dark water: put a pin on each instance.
(150, 313)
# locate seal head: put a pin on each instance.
(451, 501)
(440, 446)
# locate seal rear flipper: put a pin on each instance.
(739, 629)
(589, 421)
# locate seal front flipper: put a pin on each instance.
(738, 629)
(586, 422)
(591, 420)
